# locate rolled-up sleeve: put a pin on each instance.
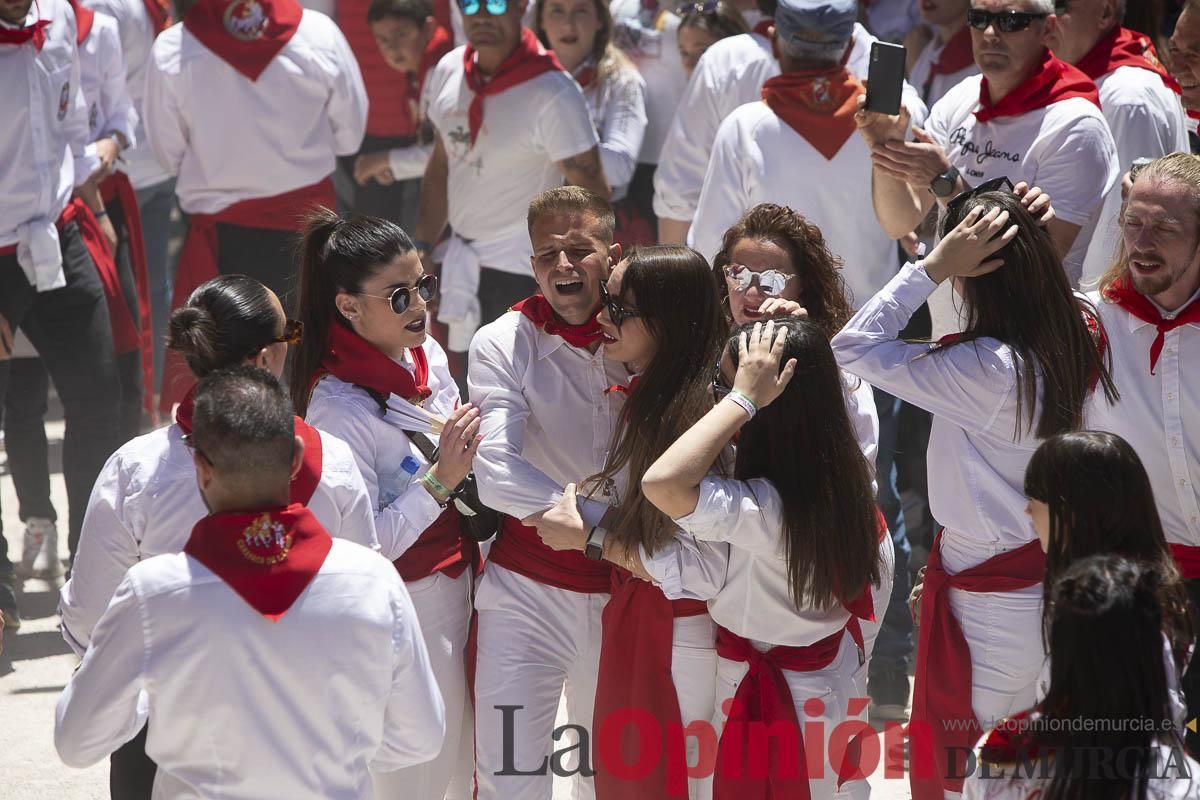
(687, 568)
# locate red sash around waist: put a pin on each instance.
(638, 628)
(1187, 558)
(199, 259)
(521, 550)
(942, 691)
(440, 548)
(763, 697)
(124, 330)
(116, 190)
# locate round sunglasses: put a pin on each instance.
(770, 282)
(401, 297)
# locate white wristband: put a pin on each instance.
(743, 402)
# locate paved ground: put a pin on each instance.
(36, 664)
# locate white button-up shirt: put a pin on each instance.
(977, 457)
(145, 503)
(402, 506)
(232, 139)
(243, 707)
(102, 72)
(1158, 414)
(45, 127)
(547, 420)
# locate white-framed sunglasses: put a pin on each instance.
(770, 282)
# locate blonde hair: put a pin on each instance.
(572, 200)
(1182, 169)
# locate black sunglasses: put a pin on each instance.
(962, 198)
(1006, 21)
(616, 312)
(401, 298)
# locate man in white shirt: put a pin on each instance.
(510, 124)
(138, 22)
(1149, 303)
(1029, 116)
(250, 105)
(947, 58)
(543, 383)
(730, 74)
(1138, 96)
(51, 246)
(226, 640)
(1185, 65)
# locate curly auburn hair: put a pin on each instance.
(823, 291)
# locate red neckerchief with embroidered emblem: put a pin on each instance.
(245, 34)
(819, 106)
(160, 14)
(304, 482)
(353, 359)
(1122, 293)
(84, 17)
(538, 308)
(1054, 80)
(528, 60)
(268, 557)
(439, 44)
(1125, 48)
(34, 34)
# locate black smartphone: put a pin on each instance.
(885, 78)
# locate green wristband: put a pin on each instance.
(437, 486)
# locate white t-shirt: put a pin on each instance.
(1065, 148)
(618, 108)
(1147, 121)
(650, 38)
(759, 158)
(526, 130)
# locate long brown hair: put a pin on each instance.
(336, 255)
(1028, 305)
(1101, 501)
(823, 290)
(804, 444)
(672, 288)
(608, 57)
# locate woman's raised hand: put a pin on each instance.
(966, 250)
(758, 375)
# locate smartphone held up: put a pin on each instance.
(885, 78)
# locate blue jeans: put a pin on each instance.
(155, 204)
(894, 646)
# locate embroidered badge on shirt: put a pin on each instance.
(246, 20)
(64, 100)
(265, 542)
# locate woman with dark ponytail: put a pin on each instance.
(368, 372)
(145, 501)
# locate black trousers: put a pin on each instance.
(130, 770)
(70, 329)
(398, 202)
(265, 255)
(1190, 682)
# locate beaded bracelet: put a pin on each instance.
(743, 402)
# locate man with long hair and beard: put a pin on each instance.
(1149, 302)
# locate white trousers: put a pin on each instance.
(534, 640)
(443, 607)
(694, 671)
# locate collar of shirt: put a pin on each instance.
(1135, 323)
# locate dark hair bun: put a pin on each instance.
(192, 332)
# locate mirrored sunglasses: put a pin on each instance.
(401, 297)
(770, 282)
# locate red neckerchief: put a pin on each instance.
(304, 482)
(527, 60)
(1122, 293)
(1187, 558)
(957, 55)
(623, 388)
(1125, 48)
(160, 14)
(586, 74)
(438, 45)
(1054, 80)
(268, 557)
(538, 309)
(246, 34)
(35, 33)
(763, 28)
(353, 359)
(818, 106)
(84, 17)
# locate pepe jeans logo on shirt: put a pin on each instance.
(264, 542)
(245, 20)
(971, 149)
(64, 101)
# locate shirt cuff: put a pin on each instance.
(663, 567)
(592, 511)
(912, 286)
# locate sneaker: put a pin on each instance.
(12, 620)
(35, 538)
(888, 689)
(49, 565)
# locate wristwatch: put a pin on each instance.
(594, 549)
(943, 185)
